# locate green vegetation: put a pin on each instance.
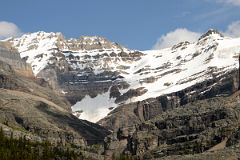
(21, 149)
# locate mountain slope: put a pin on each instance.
(209, 126)
(30, 108)
(88, 66)
(186, 64)
(179, 100)
(93, 69)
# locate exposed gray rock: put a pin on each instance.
(193, 128)
(28, 109)
(223, 85)
(9, 55)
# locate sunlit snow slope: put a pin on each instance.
(98, 75)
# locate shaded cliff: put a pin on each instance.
(198, 127)
(30, 109)
(11, 56)
(130, 114)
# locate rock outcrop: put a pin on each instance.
(202, 117)
(137, 112)
(172, 102)
(194, 128)
(88, 69)
(30, 109)
(11, 56)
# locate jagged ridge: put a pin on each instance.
(93, 69)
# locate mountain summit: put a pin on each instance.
(158, 103)
(93, 69)
(211, 32)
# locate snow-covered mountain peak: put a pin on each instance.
(41, 48)
(210, 40)
(91, 69)
(37, 40)
(92, 43)
(93, 40)
(211, 34)
(41, 35)
(48, 40)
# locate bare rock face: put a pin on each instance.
(137, 112)
(75, 68)
(90, 68)
(180, 100)
(10, 55)
(77, 85)
(91, 43)
(30, 109)
(194, 128)
(178, 123)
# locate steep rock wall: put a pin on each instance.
(224, 85)
(10, 55)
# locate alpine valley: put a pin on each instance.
(104, 101)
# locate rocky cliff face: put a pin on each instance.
(134, 113)
(197, 127)
(179, 100)
(92, 69)
(188, 121)
(77, 68)
(10, 55)
(30, 109)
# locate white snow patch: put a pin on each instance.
(95, 108)
(172, 69)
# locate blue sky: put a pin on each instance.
(137, 24)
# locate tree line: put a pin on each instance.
(22, 149)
